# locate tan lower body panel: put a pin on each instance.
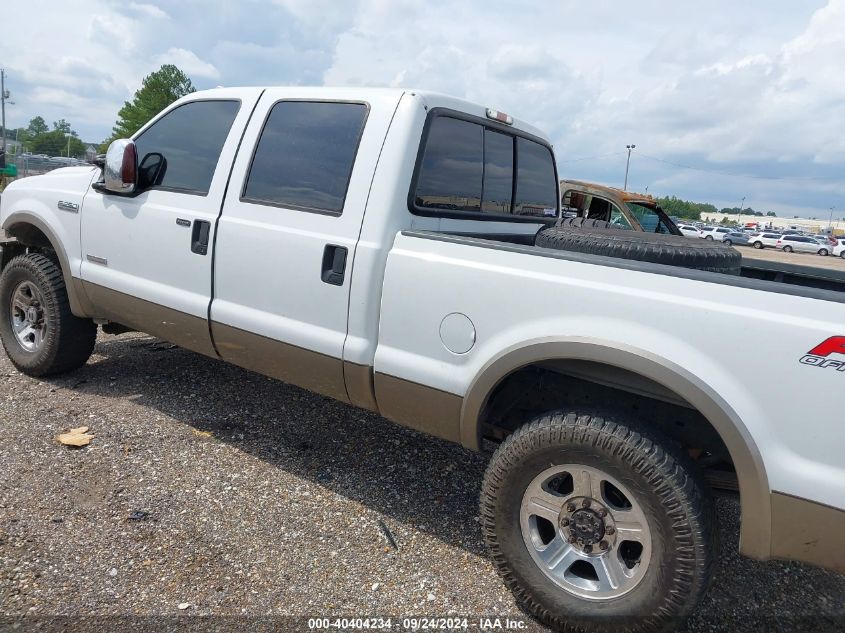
(422, 408)
(184, 330)
(289, 363)
(359, 385)
(808, 531)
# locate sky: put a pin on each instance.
(724, 100)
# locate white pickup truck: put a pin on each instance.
(377, 246)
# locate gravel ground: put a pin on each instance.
(254, 498)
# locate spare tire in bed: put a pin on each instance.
(657, 248)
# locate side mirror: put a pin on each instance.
(121, 169)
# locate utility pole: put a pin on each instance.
(627, 164)
(830, 221)
(3, 96)
(739, 215)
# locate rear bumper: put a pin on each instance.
(808, 531)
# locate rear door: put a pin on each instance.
(289, 229)
(146, 259)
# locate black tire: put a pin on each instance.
(787, 249)
(727, 242)
(842, 254)
(758, 245)
(708, 237)
(67, 340)
(666, 484)
(657, 248)
(823, 252)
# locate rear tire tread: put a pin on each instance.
(672, 476)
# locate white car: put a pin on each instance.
(802, 244)
(839, 249)
(689, 231)
(717, 233)
(764, 239)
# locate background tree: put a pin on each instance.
(684, 208)
(37, 126)
(158, 90)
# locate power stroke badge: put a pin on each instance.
(819, 355)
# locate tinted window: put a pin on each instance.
(468, 167)
(536, 184)
(772, 236)
(498, 172)
(305, 155)
(180, 151)
(452, 166)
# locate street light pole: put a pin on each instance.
(3, 106)
(830, 221)
(739, 215)
(627, 164)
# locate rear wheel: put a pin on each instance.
(39, 332)
(823, 251)
(596, 527)
(728, 242)
(787, 249)
(708, 237)
(758, 245)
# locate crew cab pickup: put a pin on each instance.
(375, 246)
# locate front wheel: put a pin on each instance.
(709, 237)
(823, 252)
(596, 527)
(39, 332)
(728, 242)
(787, 249)
(758, 245)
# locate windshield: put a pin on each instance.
(648, 217)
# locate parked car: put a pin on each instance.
(350, 241)
(839, 249)
(689, 231)
(764, 239)
(592, 205)
(802, 244)
(736, 238)
(717, 233)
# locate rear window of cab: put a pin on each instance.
(469, 168)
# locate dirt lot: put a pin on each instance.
(209, 490)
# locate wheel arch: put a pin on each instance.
(755, 494)
(30, 230)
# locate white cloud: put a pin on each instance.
(148, 10)
(189, 63)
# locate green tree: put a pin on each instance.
(772, 214)
(37, 126)
(158, 90)
(684, 208)
(63, 126)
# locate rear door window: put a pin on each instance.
(305, 155)
(469, 167)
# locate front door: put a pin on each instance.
(146, 259)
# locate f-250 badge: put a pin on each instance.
(819, 355)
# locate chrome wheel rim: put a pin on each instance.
(29, 323)
(586, 531)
